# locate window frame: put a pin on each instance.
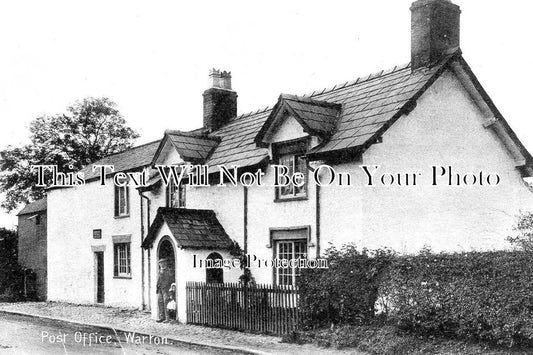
(294, 273)
(284, 234)
(182, 194)
(294, 150)
(126, 212)
(117, 258)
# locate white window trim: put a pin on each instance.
(123, 259)
(125, 240)
(293, 272)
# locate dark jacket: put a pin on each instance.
(164, 281)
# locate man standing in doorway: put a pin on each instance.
(164, 281)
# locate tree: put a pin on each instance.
(89, 130)
(524, 232)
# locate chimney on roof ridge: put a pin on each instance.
(434, 31)
(220, 101)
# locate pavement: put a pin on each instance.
(133, 320)
(34, 335)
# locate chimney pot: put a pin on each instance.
(225, 80)
(434, 31)
(214, 78)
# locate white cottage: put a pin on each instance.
(432, 162)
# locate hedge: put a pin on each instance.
(346, 292)
(478, 295)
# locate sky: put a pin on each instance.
(153, 57)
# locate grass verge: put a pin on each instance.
(387, 339)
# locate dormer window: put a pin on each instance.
(176, 195)
(292, 155)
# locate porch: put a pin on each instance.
(186, 238)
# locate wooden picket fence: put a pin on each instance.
(263, 309)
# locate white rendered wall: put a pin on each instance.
(73, 214)
(444, 129)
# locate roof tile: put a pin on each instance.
(190, 228)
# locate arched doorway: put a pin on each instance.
(214, 275)
(166, 251)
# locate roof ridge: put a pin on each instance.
(308, 100)
(361, 79)
(199, 135)
(130, 148)
(163, 208)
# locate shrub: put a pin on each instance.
(346, 292)
(523, 239)
(11, 274)
(478, 295)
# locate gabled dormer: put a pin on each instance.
(184, 147)
(296, 125)
(179, 149)
(296, 117)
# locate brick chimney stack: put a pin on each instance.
(220, 101)
(434, 31)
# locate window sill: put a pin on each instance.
(122, 216)
(122, 277)
(287, 199)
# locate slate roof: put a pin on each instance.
(132, 158)
(191, 146)
(199, 229)
(237, 145)
(316, 117)
(34, 207)
(369, 106)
